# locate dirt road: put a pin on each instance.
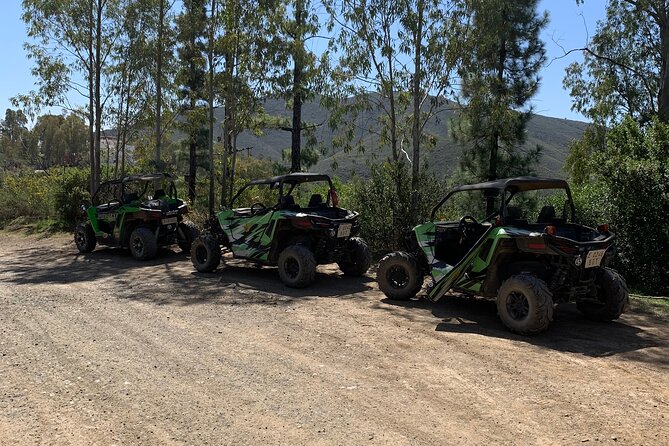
(101, 349)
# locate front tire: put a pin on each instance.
(143, 245)
(399, 276)
(205, 253)
(297, 266)
(525, 304)
(84, 238)
(359, 258)
(187, 233)
(612, 295)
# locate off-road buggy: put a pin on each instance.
(521, 254)
(276, 230)
(140, 212)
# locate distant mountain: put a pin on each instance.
(553, 134)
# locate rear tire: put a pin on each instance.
(187, 233)
(84, 238)
(359, 254)
(143, 245)
(525, 304)
(613, 296)
(205, 253)
(399, 276)
(297, 266)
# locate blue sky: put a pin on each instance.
(569, 26)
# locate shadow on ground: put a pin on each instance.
(170, 277)
(569, 331)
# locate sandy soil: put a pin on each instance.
(101, 349)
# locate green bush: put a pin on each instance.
(33, 197)
(386, 216)
(629, 189)
(70, 191)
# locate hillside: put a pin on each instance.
(553, 134)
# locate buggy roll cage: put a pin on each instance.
(291, 180)
(511, 186)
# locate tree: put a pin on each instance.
(130, 73)
(59, 140)
(191, 25)
(73, 40)
(625, 71)
(501, 56)
(247, 46)
(393, 72)
(426, 37)
(298, 83)
(13, 134)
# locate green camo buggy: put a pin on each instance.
(517, 251)
(292, 221)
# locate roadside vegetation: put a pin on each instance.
(154, 72)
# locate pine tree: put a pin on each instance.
(501, 58)
(192, 33)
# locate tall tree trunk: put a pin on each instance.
(227, 126)
(494, 138)
(210, 138)
(192, 161)
(159, 82)
(663, 94)
(91, 100)
(415, 131)
(98, 101)
(233, 166)
(298, 61)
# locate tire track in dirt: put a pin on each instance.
(99, 349)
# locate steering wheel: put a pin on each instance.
(257, 207)
(465, 224)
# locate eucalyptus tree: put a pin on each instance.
(131, 74)
(396, 60)
(71, 45)
(625, 67)
(245, 45)
(500, 60)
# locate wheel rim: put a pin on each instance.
(291, 267)
(201, 255)
(138, 245)
(517, 306)
(397, 276)
(80, 238)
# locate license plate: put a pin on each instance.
(594, 258)
(344, 230)
(169, 221)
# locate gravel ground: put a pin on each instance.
(101, 349)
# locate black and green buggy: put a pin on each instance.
(515, 241)
(140, 212)
(291, 221)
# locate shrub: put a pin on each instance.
(386, 216)
(629, 189)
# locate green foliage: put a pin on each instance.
(629, 188)
(386, 216)
(69, 191)
(55, 196)
(622, 69)
(501, 57)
